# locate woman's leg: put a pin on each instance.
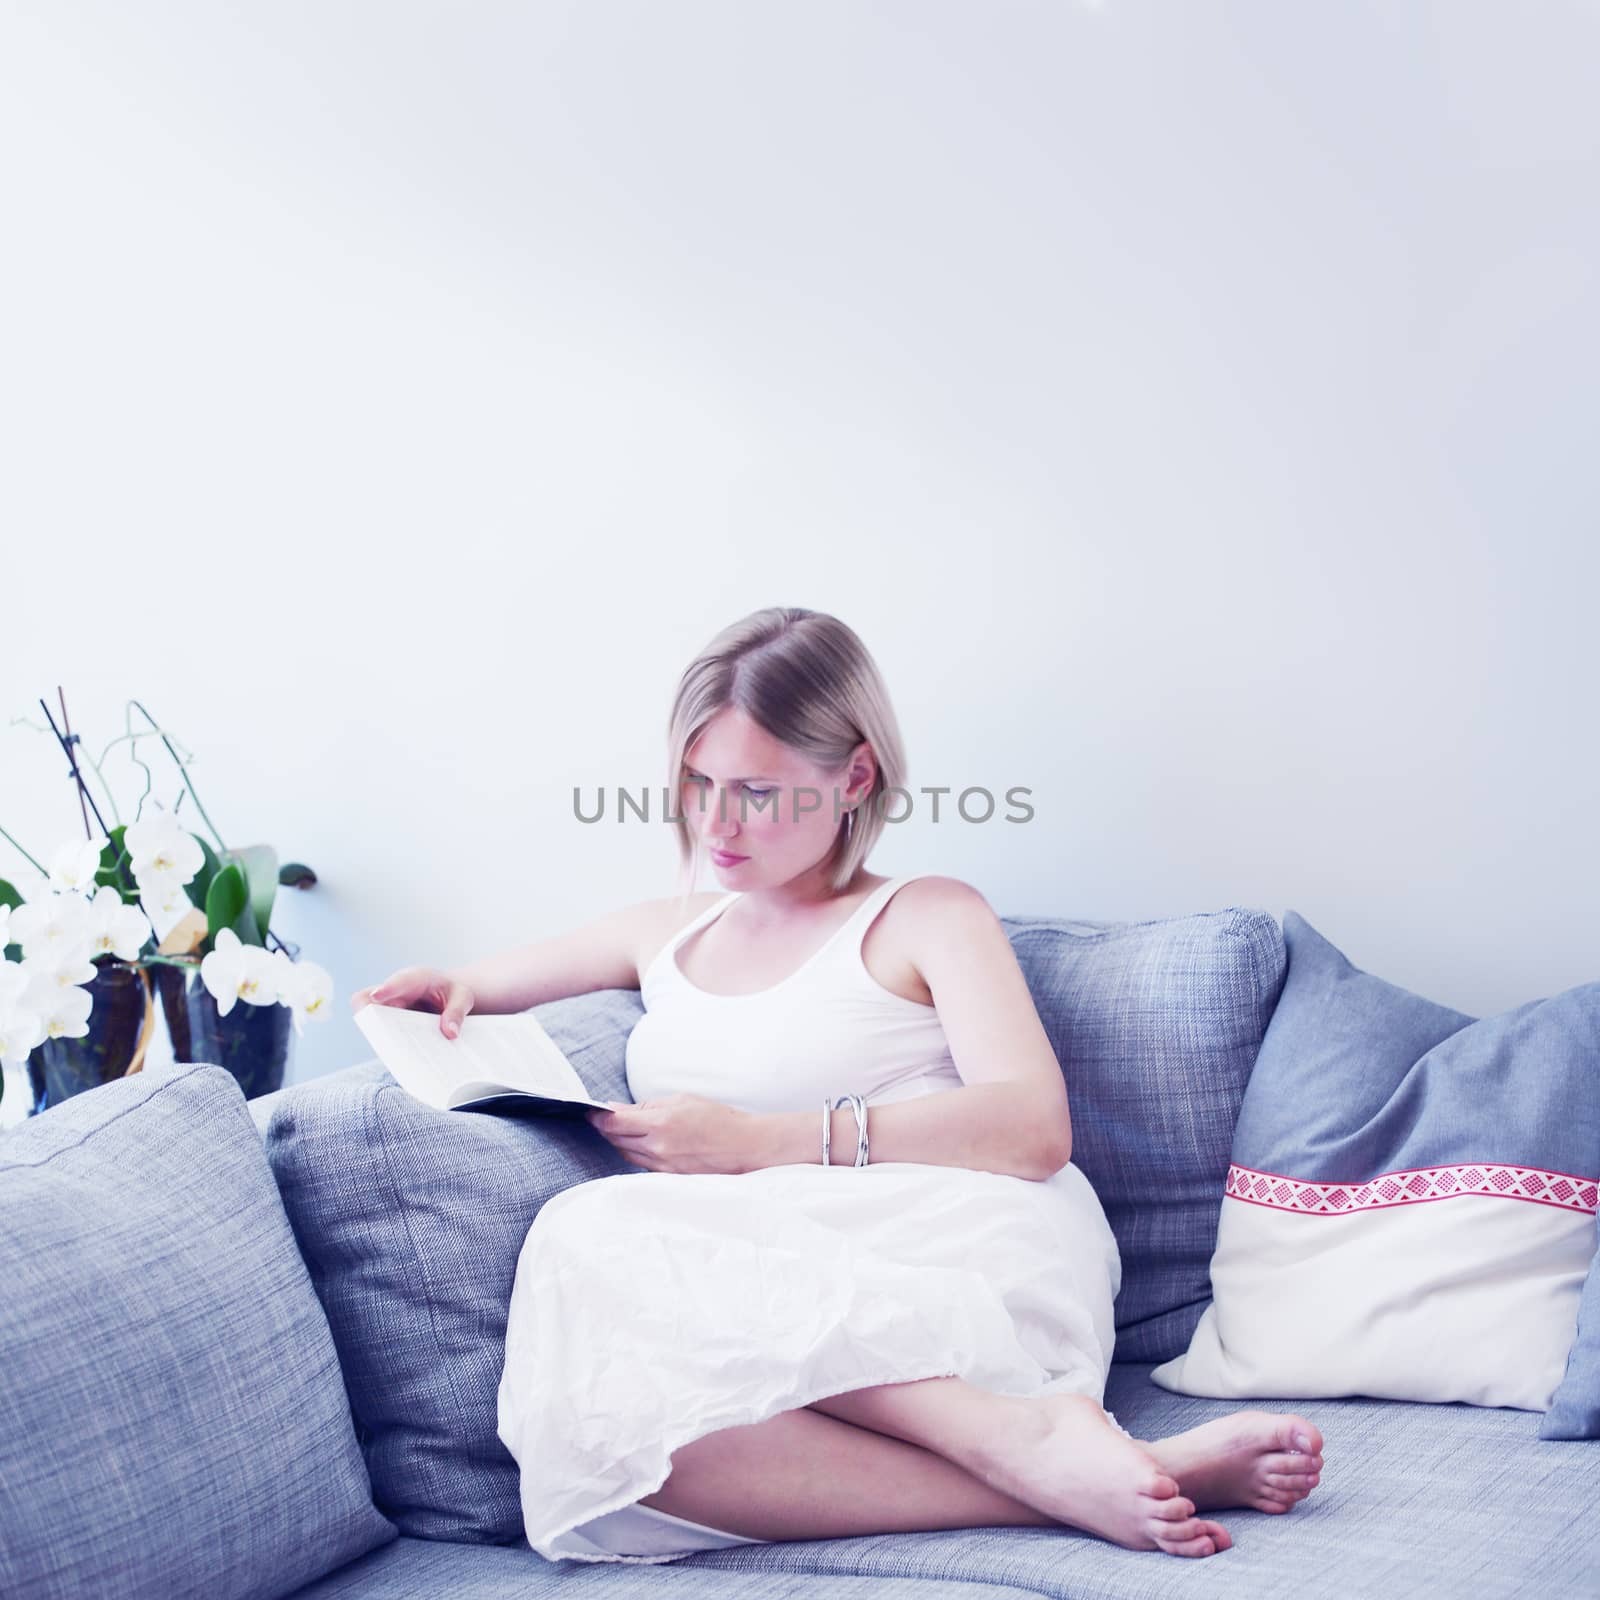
(1263, 1460)
(804, 1474)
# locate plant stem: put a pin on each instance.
(84, 797)
(77, 777)
(18, 848)
(182, 774)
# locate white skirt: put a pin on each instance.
(652, 1308)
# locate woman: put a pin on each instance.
(747, 1347)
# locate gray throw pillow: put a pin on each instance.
(1156, 1025)
(172, 1420)
(411, 1221)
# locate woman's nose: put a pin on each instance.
(720, 818)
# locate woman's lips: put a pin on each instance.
(724, 859)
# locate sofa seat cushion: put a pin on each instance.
(1414, 1499)
(428, 1569)
(411, 1221)
(172, 1420)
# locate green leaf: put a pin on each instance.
(260, 863)
(296, 875)
(114, 857)
(199, 886)
(228, 906)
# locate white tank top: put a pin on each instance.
(828, 1028)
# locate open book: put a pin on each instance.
(505, 1063)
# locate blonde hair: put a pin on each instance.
(807, 680)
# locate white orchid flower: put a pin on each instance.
(116, 928)
(307, 989)
(74, 865)
(54, 971)
(50, 924)
(20, 1027)
(15, 979)
(166, 900)
(66, 1014)
(20, 1031)
(236, 971)
(160, 846)
(283, 975)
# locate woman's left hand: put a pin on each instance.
(679, 1133)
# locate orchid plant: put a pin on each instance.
(146, 894)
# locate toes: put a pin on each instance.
(1303, 1435)
(1187, 1538)
(1195, 1538)
(1175, 1510)
(1159, 1485)
(1301, 1481)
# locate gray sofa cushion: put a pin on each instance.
(423, 1569)
(1156, 1025)
(410, 1221)
(172, 1421)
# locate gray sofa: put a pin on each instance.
(252, 1349)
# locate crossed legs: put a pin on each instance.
(940, 1453)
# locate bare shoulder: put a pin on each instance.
(653, 922)
(949, 900)
(945, 922)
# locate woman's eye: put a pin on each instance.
(700, 777)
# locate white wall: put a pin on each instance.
(1191, 406)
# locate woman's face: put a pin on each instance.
(746, 795)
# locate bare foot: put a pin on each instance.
(1263, 1460)
(1061, 1456)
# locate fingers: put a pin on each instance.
(622, 1121)
(398, 989)
(421, 989)
(458, 1002)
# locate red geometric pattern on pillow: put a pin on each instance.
(1413, 1186)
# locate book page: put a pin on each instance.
(491, 1055)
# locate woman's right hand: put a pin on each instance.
(421, 989)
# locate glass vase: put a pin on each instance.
(121, 1020)
(252, 1042)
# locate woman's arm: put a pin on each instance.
(992, 1127)
(1010, 1115)
(600, 955)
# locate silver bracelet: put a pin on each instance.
(859, 1107)
(827, 1127)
